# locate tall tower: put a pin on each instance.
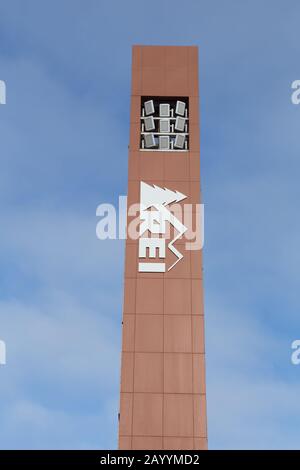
(163, 394)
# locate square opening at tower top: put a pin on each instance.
(164, 123)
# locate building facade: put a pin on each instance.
(163, 394)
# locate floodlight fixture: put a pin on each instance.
(179, 141)
(179, 124)
(164, 125)
(180, 108)
(149, 123)
(164, 110)
(164, 142)
(149, 140)
(149, 107)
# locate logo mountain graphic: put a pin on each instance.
(159, 198)
(154, 195)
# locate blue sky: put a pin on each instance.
(63, 150)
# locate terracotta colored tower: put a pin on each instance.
(163, 395)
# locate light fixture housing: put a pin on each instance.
(180, 108)
(164, 110)
(149, 107)
(166, 117)
(179, 141)
(149, 140)
(164, 142)
(149, 123)
(164, 125)
(180, 124)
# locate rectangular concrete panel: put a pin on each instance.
(162, 391)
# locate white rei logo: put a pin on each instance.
(154, 215)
